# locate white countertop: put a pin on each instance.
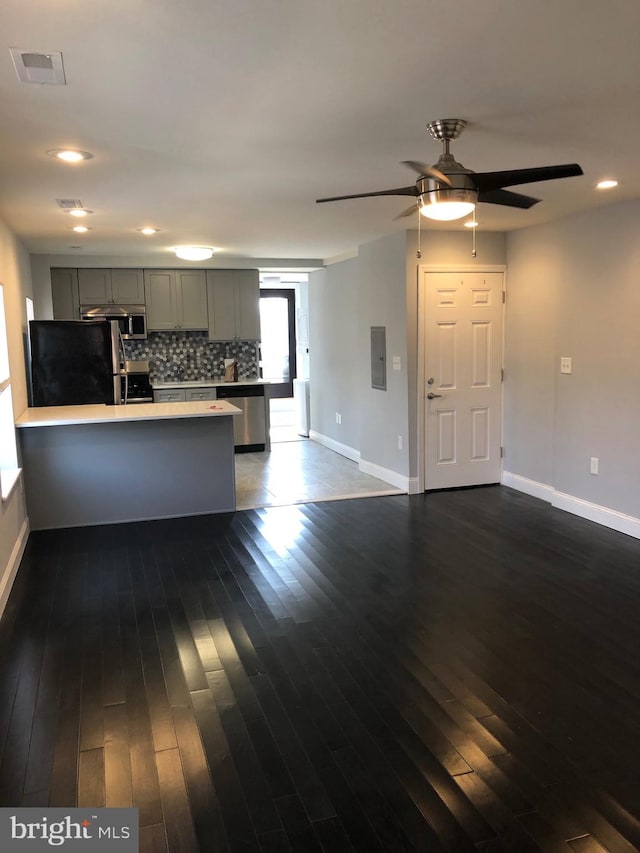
(207, 383)
(101, 414)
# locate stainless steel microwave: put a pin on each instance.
(131, 319)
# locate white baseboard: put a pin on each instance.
(392, 477)
(386, 474)
(600, 514)
(332, 444)
(6, 582)
(576, 506)
(414, 486)
(529, 487)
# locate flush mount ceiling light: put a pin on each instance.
(193, 253)
(70, 155)
(79, 211)
(608, 184)
(472, 224)
(148, 231)
(80, 229)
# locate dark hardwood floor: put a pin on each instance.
(455, 671)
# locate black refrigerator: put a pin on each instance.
(75, 362)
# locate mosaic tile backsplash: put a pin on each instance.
(191, 356)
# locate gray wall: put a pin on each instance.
(382, 277)
(333, 347)
(573, 291)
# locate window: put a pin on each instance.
(9, 471)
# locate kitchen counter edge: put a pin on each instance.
(102, 414)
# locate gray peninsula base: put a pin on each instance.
(104, 473)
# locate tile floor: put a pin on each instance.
(299, 470)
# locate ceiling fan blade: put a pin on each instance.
(507, 198)
(408, 212)
(427, 171)
(400, 191)
(513, 177)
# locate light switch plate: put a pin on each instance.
(565, 364)
(396, 362)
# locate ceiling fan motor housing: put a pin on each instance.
(462, 187)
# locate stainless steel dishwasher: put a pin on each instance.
(250, 428)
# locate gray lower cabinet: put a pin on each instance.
(194, 394)
(234, 305)
(64, 294)
(176, 299)
(111, 286)
(166, 396)
(182, 395)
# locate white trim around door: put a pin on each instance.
(421, 390)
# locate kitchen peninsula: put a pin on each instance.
(100, 464)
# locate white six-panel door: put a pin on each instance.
(463, 371)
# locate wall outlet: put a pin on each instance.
(565, 364)
(595, 462)
(399, 442)
(338, 418)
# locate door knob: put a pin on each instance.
(431, 395)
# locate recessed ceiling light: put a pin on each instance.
(472, 224)
(148, 231)
(79, 211)
(193, 253)
(606, 185)
(80, 229)
(70, 155)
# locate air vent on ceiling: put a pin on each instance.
(69, 203)
(33, 66)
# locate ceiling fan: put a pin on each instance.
(448, 191)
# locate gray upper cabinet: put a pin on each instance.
(234, 305)
(64, 294)
(176, 299)
(115, 286)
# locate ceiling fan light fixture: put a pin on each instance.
(193, 253)
(436, 205)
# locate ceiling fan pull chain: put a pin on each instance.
(419, 252)
(473, 237)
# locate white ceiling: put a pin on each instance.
(222, 122)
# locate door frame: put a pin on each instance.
(421, 379)
(285, 389)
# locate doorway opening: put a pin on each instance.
(279, 360)
(278, 346)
